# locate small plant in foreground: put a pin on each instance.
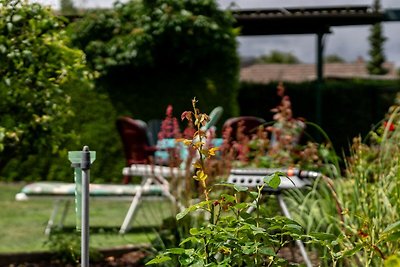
(67, 248)
(231, 236)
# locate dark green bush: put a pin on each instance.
(153, 53)
(349, 107)
(93, 125)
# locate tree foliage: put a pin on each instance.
(67, 7)
(376, 39)
(334, 59)
(36, 65)
(171, 49)
(279, 57)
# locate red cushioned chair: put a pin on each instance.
(135, 141)
(250, 124)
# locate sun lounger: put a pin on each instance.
(64, 193)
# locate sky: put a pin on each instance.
(348, 42)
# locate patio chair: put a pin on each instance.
(135, 141)
(153, 128)
(142, 161)
(214, 116)
(158, 173)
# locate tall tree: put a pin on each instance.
(376, 53)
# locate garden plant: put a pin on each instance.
(228, 235)
(362, 206)
(37, 65)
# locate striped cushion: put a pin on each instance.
(68, 189)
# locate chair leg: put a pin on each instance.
(126, 179)
(299, 244)
(53, 215)
(133, 208)
(167, 193)
(64, 214)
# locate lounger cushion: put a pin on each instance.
(68, 189)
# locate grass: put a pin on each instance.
(22, 224)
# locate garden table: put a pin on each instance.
(294, 178)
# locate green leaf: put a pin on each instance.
(294, 228)
(267, 251)
(159, 259)
(352, 251)
(391, 227)
(257, 230)
(253, 194)
(240, 188)
(177, 251)
(393, 237)
(273, 180)
(240, 206)
(185, 259)
(191, 209)
(323, 236)
(228, 198)
(188, 239)
(194, 231)
(248, 250)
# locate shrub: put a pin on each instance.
(362, 207)
(37, 65)
(160, 52)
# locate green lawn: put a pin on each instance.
(22, 223)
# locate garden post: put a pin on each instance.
(85, 166)
(81, 162)
(75, 159)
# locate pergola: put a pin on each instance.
(314, 20)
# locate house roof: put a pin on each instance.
(266, 73)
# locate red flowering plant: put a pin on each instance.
(169, 152)
(169, 126)
(277, 143)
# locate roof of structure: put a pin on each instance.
(305, 20)
(265, 73)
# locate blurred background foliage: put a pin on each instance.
(142, 56)
(350, 107)
(37, 65)
(168, 50)
(148, 54)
